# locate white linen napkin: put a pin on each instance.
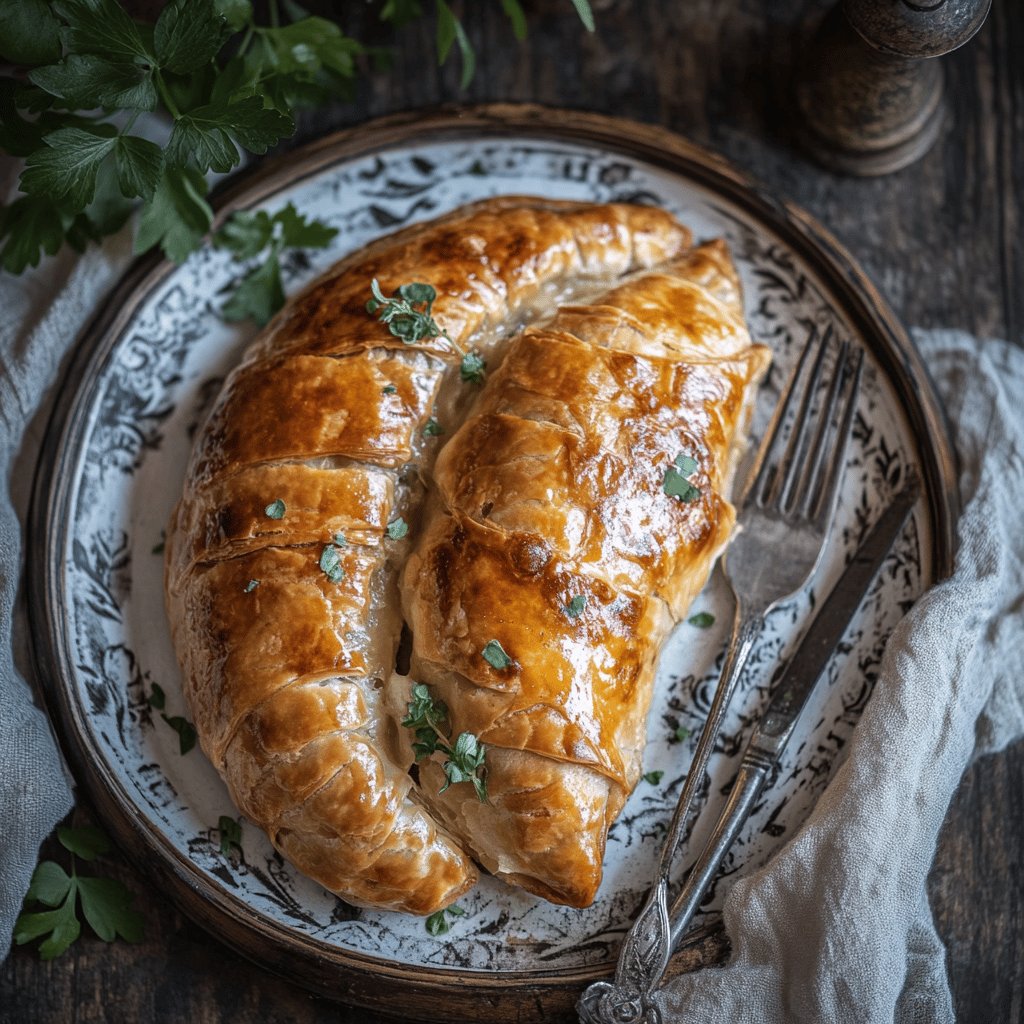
(837, 927)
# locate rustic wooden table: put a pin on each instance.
(943, 241)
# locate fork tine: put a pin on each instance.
(790, 464)
(764, 469)
(800, 496)
(820, 509)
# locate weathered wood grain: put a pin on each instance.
(942, 239)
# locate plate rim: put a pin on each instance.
(421, 992)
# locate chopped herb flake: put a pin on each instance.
(330, 563)
(398, 528)
(186, 732)
(676, 484)
(339, 539)
(472, 369)
(681, 735)
(389, 389)
(230, 835)
(495, 656)
(574, 609)
(251, 586)
(156, 698)
(275, 510)
(702, 620)
(653, 777)
(438, 924)
(432, 428)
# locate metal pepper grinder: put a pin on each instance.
(869, 94)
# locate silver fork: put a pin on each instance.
(785, 512)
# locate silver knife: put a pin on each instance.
(767, 743)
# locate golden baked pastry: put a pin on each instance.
(539, 562)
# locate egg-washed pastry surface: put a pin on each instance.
(536, 485)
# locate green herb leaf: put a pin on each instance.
(514, 12)
(237, 13)
(585, 13)
(103, 27)
(65, 171)
(259, 295)
(330, 563)
(472, 368)
(275, 510)
(653, 777)
(464, 762)
(177, 215)
(188, 35)
(389, 389)
(156, 699)
(495, 656)
(139, 163)
(106, 904)
(407, 313)
(245, 233)
(437, 923)
(702, 620)
(50, 884)
(681, 735)
(398, 528)
(432, 428)
(30, 226)
(61, 925)
(86, 842)
(574, 609)
(450, 30)
(299, 232)
(29, 33)
(230, 834)
(340, 540)
(251, 586)
(676, 484)
(88, 80)
(185, 730)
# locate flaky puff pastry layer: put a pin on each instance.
(290, 676)
(552, 490)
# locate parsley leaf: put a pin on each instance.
(105, 903)
(389, 389)
(495, 656)
(574, 609)
(398, 528)
(680, 735)
(653, 778)
(438, 923)
(86, 842)
(702, 620)
(88, 80)
(177, 215)
(29, 33)
(330, 563)
(139, 163)
(275, 510)
(676, 484)
(156, 699)
(432, 428)
(103, 27)
(186, 732)
(251, 586)
(188, 35)
(30, 226)
(340, 539)
(585, 13)
(260, 294)
(66, 169)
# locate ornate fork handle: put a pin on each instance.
(648, 946)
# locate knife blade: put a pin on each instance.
(795, 686)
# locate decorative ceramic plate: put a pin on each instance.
(144, 375)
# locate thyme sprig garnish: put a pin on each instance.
(428, 718)
(409, 316)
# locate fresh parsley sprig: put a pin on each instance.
(222, 81)
(260, 293)
(438, 923)
(105, 903)
(428, 718)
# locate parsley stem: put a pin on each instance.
(131, 121)
(246, 40)
(274, 19)
(165, 94)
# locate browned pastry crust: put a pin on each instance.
(550, 489)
